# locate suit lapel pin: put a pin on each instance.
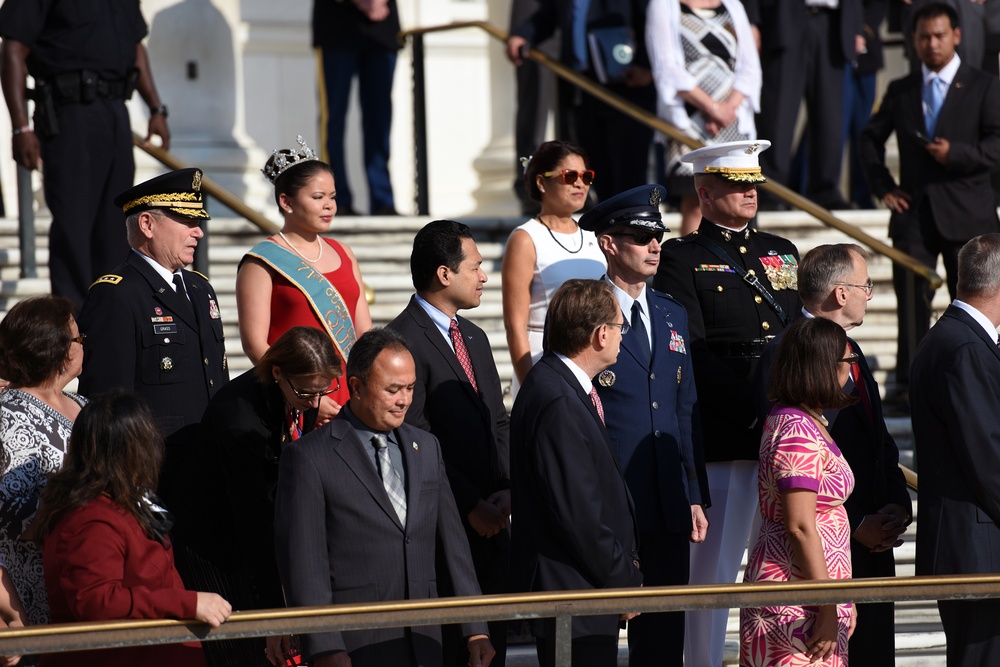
(606, 378)
(416, 447)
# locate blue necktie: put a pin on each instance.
(642, 337)
(934, 93)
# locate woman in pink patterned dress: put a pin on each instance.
(803, 483)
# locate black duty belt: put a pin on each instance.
(85, 86)
(739, 348)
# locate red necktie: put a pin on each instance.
(462, 353)
(597, 403)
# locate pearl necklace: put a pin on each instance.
(818, 417)
(311, 261)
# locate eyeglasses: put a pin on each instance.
(867, 287)
(642, 238)
(851, 358)
(309, 395)
(569, 176)
(623, 325)
(79, 339)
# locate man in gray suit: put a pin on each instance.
(361, 504)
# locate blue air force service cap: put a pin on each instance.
(177, 191)
(736, 161)
(638, 207)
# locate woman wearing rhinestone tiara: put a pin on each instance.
(547, 250)
(297, 277)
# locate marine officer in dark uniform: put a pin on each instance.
(153, 327)
(86, 59)
(739, 288)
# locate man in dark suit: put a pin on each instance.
(955, 395)
(947, 123)
(458, 398)
(649, 397)
(618, 146)
(362, 504)
(805, 47)
(575, 525)
(154, 328)
(738, 287)
(834, 284)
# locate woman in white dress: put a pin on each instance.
(546, 250)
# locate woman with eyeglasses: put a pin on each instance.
(803, 481)
(106, 548)
(243, 433)
(41, 351)
(548, 249)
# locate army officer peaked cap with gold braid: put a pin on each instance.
(177, 191)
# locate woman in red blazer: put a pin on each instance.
(106, 549)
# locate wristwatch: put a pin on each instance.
(162, 109)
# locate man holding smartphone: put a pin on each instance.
(946, 117)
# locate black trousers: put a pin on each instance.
(84, 168)
(587, 651)
(972, 631)
(920, 239)
(812, 69)
(657, 640)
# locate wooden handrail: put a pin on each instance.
(651, 120)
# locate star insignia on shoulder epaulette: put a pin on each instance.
(107, 278)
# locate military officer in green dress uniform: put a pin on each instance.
(153, 327)
(739, 288)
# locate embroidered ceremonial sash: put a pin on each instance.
(322, 296)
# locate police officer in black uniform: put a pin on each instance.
(739, 288)
(86, 57)
(153, 327)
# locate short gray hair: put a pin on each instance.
(825, 265)
(979, 266)
(132, 229)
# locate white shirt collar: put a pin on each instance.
(626, 301)
(975, 314)
(159, 268)
(947, 73)
(580, 374)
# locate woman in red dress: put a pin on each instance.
(106, 551)
(297, 277)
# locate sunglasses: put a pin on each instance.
(79, 339)
(850, 359)
(569, 176)
(642, 238)
(309, 395)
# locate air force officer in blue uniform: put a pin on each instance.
(649, 400)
